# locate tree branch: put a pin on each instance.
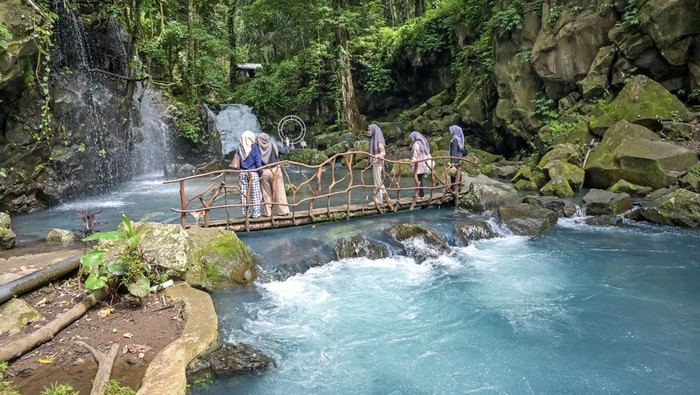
(104, 366)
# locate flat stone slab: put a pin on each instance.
(166, 373)
(15, 315)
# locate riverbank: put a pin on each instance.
(153, 336)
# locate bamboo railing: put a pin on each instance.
(309, 185)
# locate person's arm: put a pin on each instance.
(415, 153)
(455, 153)
(382, 153)
(282, 150)
(257, 157)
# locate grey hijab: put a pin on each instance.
(265, 147)
(422, 142)
(375, 139)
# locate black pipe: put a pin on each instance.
(38, 278)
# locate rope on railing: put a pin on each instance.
(308, 187)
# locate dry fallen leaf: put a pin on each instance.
(128, 335)
(105, 312)
(45, 360)
(41, 302)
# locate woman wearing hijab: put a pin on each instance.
(376, 160)
(420, 158)
(272, 183)
(457, 152)
(249, 181)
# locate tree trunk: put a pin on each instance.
(351, 113)
(189, 85)
(133, 24)
(18, 347)
(404, 11)
(392, 13)
(231, 22)
(420, 7)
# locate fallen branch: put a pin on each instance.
(104, 366)
(19, 347)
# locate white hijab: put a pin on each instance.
(247, 141)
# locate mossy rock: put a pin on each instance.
(576, 133)
(525, 185)
(559, 169)
(469, 230)
(557, 187)
(7, 236)
(624, 186)
(562, 152)
(600, 202)
(691, 180)
(218, 257)
(341, 147)
(678, 131)
(308, 156)
(405, 233)
(359, 246)
(636, 154)
(680, 207)
(642, 101)
(562, 207)
(527, 220)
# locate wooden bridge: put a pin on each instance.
(330, 191)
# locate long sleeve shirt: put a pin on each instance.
(456, 153)
(253, 161)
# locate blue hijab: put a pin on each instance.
(458, 135)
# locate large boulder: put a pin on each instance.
(669, 21)
(60, 236)
(228, 360)
(7, 236)
(636, 154)
(471, 229)
(563, 54)
(563, 208)
(597, 80)
(600, 202)
(419, 242)
(360, 246)
(563, 152)
(517, 83)
(679, 207)
(165, 244)
(486, 194)
(527, 220)
(218, 257)
(17, 314)
(642, 101)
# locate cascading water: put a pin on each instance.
(73, 50)
(231, 121)
(110, 141)
(581, 309)
(153, 150)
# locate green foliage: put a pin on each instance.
(4, 37)
(376, 52)
(545, 110)
(59, 389)
(3, 368)
(113, 387)
(510, 19)
(189, 125)
(129, 268)
(630, 16)
(7, 388)
(524, 56)
(554, 14)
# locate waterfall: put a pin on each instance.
(232, 120)
(73, 46)
(153, 150)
